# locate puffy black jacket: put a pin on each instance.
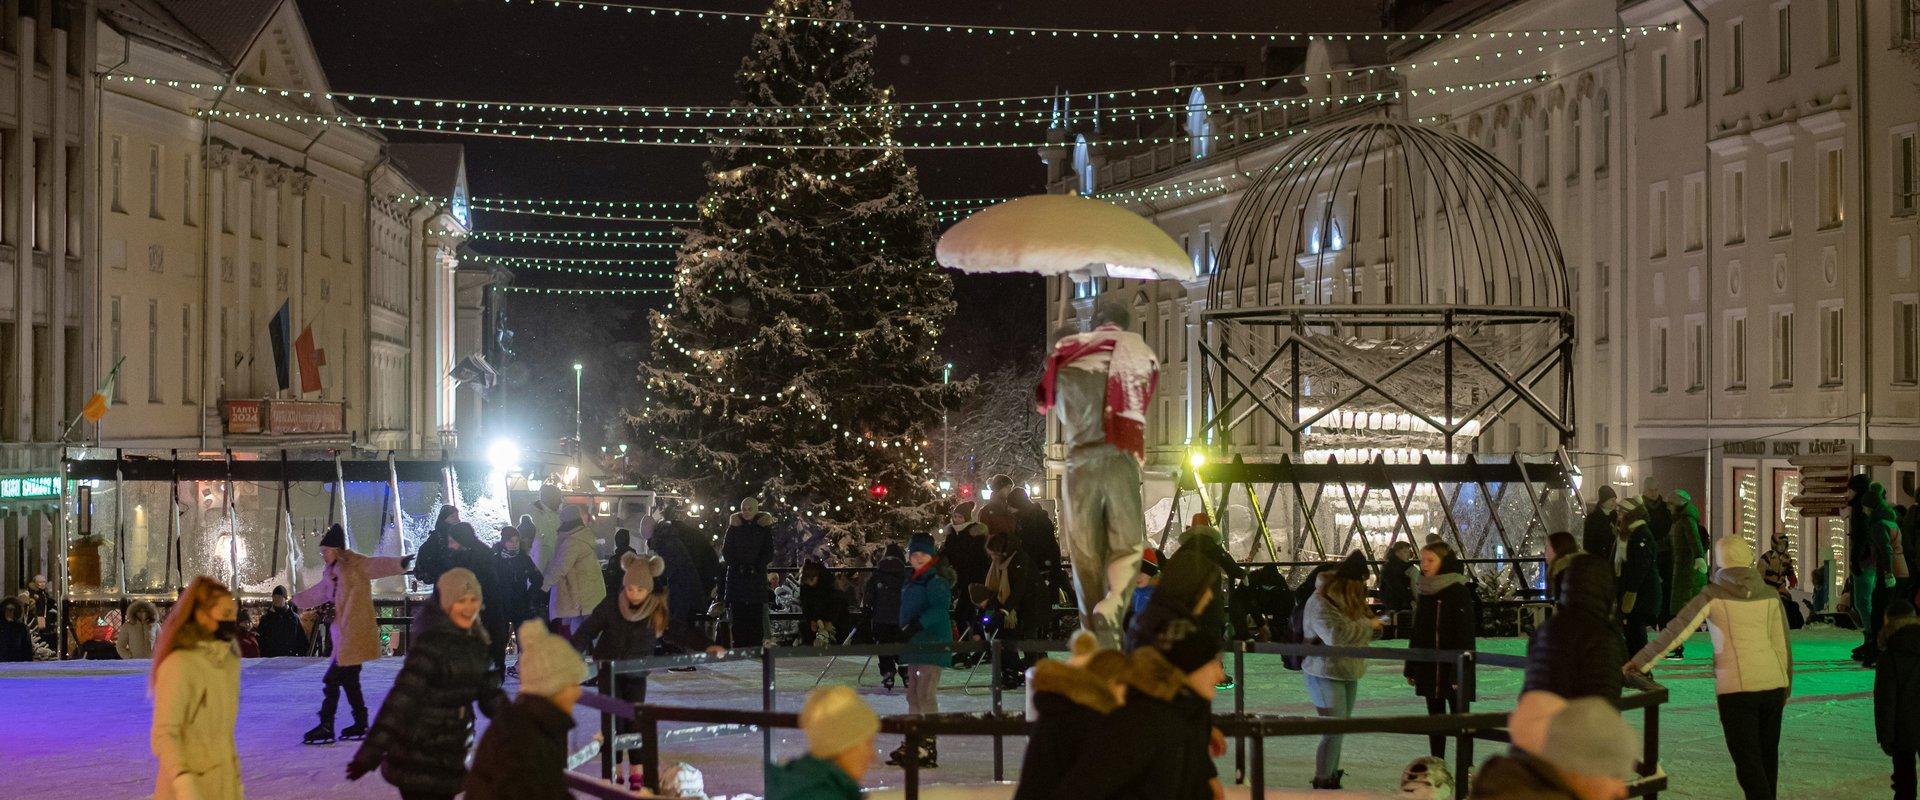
(1072, 707)
(748, 550)
(608, 636)
(883, 589)
(681, 578)
(421, 735)
(964, 550)
(1154, 747)
(1578, 652)
(1597, 536)
(1896, 689)
(281, 634)
(1269, 602)
(518, 581)
(1396, 583)
(523, 755)
(1443, 619)
(611, 573)
(1640, 575)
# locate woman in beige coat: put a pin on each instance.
(347, 584)
(196, 694)
(573, 575)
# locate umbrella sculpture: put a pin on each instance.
(1063, 234)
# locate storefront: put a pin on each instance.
(1760, 485)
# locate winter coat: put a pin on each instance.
(1896, 688)
(1154, 747)
(135, 637)
(1268, 597)
(1596, 535)
(574, 575)
(281, 634)
(196, 696)
(1026, 593)
(1520, 775)
(1751, 652)
(1396, 582)
(883, 590)
(421, 736)
(347, 583)
(1071, 709)
(926, 603)
(1910, 539)
(1206, 540)
(1689, 558)
(519, 583)
(16, 642)
(608, 635)
(681, 579)
(964, 551)
(1038, 538)
(1324, 622)
(545, 537)
(706, 562)
(748, 552)
(523, 755)
(810, 778)
(825, 602)
(1640, 577)
(1443, 619)
(1777, 569)
(611, 572)
(1578, 651)
(434, 557)
(1000, 517)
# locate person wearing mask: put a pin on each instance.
(572, 576)
(1444, 618)
(420, 737)
(1639, 581)
(1584, 751)
(1688, 554)
(1337, 615)
(963, 545)
(347, 584)
(747, 552)
(523, 754)
(926, 617)
(1071, 704)
(280, 631)
(518, 578)
(1397, 578)
(1752, 662)
(1160, 743)
(140, 628)
(16, 642)
(1573, 652)
(1896, 695)
(840, 729)
(436, 553)
(883, 607)
(622, 545)
(195, 685)
(1596, 533)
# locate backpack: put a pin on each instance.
(1295, 633)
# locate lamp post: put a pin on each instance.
(946, 433)
(577, 443)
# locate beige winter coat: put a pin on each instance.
(134, 638)
(574, 575)
(196, 694)
(348, 585)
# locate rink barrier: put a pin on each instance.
(1249, 731)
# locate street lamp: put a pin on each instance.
(577, 443)
(946, 434)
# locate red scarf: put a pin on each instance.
(1132, 375)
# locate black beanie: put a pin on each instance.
(1354, 568)
(1183, 578)
(1606, 493)
(335, 537)
(1187, 644)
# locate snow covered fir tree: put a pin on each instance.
(796, 361)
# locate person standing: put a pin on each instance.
(840, 730)
(883, 606)
(1206, 540)
(1639, 582)
(611, 572)
(998, 513)
(1017, 588)
(523, 754)
(140, 628)
(1689, 556)
(1574, 653)
(195, 685)
(473, 555)
(1896, 695)
(573, 574)
(1778, 570)
(699, 545)
(16, 642)
(1875, 560)
(747, 552)
(926, 603)
(280, 632)
(1160, 743)
(519, 579)
(823, 606)
(1596, 533)
(1659, 517)
(1443, 619)
(347, 585)
(43, 614)
(963, 545)
(1038, 539)
(548, 513)
(435, 555)
(1398, 575)
(1337, 615)
(1752, 662)
(420, 737)
(1071, 707)
(681, 578)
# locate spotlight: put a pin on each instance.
(504, 455)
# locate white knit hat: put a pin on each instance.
(836, 720)
(1732, 550)
(548, 664)
(1589, 737)
(1527, 725)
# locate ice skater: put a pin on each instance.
(1099, 383)
(347, 585)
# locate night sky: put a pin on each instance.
(489, 49)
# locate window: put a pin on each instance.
(1906, 352)
(188, 390)
(1573, 139)
(1736, 200)
(1737, 351)
(1903, 175)
(1660, 91)
(1782, 349)
(1546, 149)
(1696, 354)
(153, 351)
(1833, 31)
(1082, 166)
(116, 171)
(1833, 337)
(1659, 362)
(188, 198)
(1695, 216)
(1832, 210)
(1782, 196)
(1737, 57)
(153, 181)
(115, 340)
(1604, 146)
(1657, 221)
(1783, 47)
(1909, 21)
(1199, 128)
(1697, 71)
(1520, 145)
(1603, 311)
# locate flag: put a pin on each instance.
(279, 330)
(97, 405)
(474, 369)
(311, 360)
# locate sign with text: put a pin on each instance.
(244, 416)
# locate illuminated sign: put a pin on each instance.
(20, 487)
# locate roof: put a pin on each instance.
(435, 167)
(228, 26)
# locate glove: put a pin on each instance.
(360, 766)
(1700, 565)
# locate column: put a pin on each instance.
(54, 383)
(216, 171)
(22, 190)
(298, 182)
(245, 168)
(89, 289)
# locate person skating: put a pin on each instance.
(699, 545)
(1187, 588)
(840, 729)
(1574, 653)
(546, 516)
(16, 641)
(1337, 615)
(436, 551)
(926, 603)
(1752, 661)
(140, 628)
(1896, 695)
(622, 545)
(1688, 555)
(747, 551)
(1636, 563)
(195, 685)
(281, 634)
(1586, 752)
(1444, 618)
(523, 754)
(681, 578)
(1099, 384)
(572, 576)
(347, 584)
(963, 545)
(1203, 538)
(420, 737)
(1071, 704)
(883, 607)
(518, 578)
(1597, 532)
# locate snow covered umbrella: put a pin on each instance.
(1063, 234)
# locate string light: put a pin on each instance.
(615, 234)
(547, 240)
(540, 212)
(578, 291)
(564, 265)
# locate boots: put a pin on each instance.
(321, 733)
(927, 757)
(358, 730)
(1329, 782)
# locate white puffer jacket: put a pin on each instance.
(1751, 652)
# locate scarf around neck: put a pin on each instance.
(1132, 372)
(655, 601)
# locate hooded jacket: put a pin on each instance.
(1689, 558)
(573, 575)
(926, 613)
(1154, 747)
(421, 736)
(1520, 775)
(196, 697)
(1072, 707)
(347, 583)
(1578, 651)
(748, 551)
(1443, 619)
(1896, 688)
(810, 778)
(1751, 652)
(281, 633)
(523, 755)
(135, 637)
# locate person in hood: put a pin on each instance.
(1576, 652)
(1752, 661)
(1071, 704)
(1269, 605)
(195, 684)
(280, 631)
(681, 578)
(140, 627)
(1639, 584)
(963, 545)
(622, 545)
(519, 580)
(1039, 540)
(1597, 532)
(1397, 578)
(1188, 585)
(1875, 560)
(420, 737)
(926, 618)
(1584, 751)
(1337, 615)
(1160, 743)
(840, 730)
(748, 552)
(16, 641)
(545, 518)
(1444, 618)
(1896, 695)
(1689, 558)
(1205, 539)
(883, 607)
(572, 575)
(436, 553)
(523, 755)
(823, 606)
(347, 585)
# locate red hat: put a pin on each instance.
(1150, 562)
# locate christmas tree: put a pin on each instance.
(795, 363)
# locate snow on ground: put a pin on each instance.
(78, 729)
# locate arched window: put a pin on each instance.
(1520, 145)
(1083, 164)
(1573, 138)
(1603, 143)
(1199, 128)
(1546, 148)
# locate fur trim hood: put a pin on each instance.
(1152, 674)
(1077, 685)
(760, 518)
(153, 614)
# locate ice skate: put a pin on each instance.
(321, 734)
(356, 731)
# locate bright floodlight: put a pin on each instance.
(1197, 459)
(578, 367)
(504, 455)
